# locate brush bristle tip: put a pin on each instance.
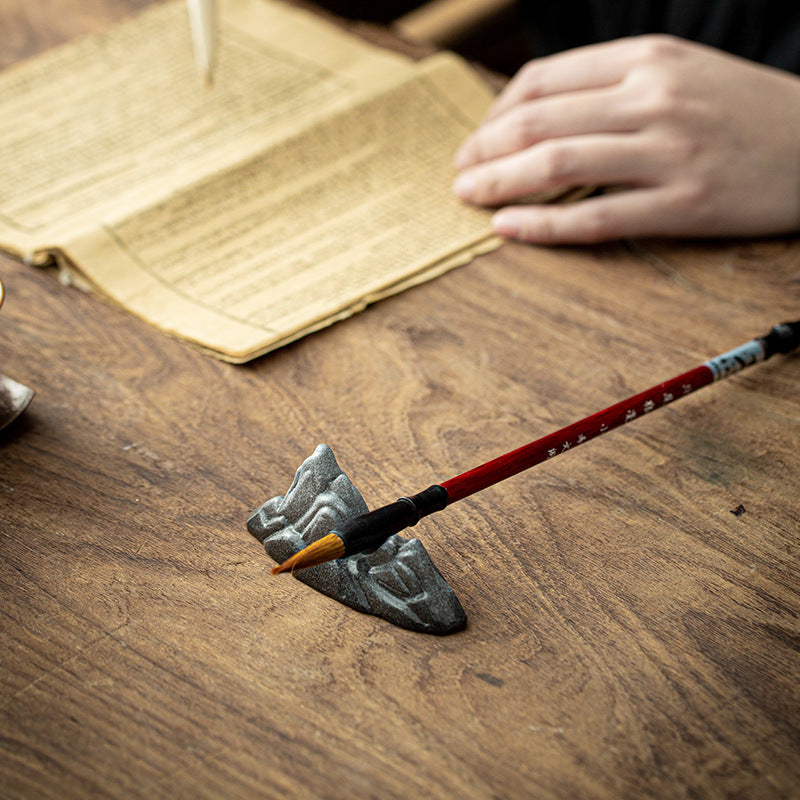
(323, 550)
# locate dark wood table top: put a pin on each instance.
(629, 636)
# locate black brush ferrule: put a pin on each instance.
(782, 338)
(372, 529)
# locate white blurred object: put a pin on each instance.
(202, 22)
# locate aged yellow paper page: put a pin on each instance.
(108, 124)
(313, 178)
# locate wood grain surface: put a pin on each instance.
(629, 636)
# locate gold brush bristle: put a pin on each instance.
(325, 549)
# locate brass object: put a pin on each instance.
(14, 396)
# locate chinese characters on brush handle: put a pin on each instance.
(612, 417)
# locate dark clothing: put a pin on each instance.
(760, 30)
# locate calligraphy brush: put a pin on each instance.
(370, 530)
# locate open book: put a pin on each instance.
(312, 179)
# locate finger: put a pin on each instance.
(599, 160)
(626, 214)
(593, 111)
(589, 67)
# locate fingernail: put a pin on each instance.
(464, 186)
(506, 224)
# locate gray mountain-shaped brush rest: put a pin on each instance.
(397, 581)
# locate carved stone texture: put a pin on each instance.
(397, 581)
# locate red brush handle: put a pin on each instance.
(579, 432)
(371, 529)
(612, 417)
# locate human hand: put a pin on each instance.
(695, 142)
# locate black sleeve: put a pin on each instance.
(760, 30)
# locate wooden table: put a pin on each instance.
(629, 636)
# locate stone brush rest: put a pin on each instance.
(398, 581)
